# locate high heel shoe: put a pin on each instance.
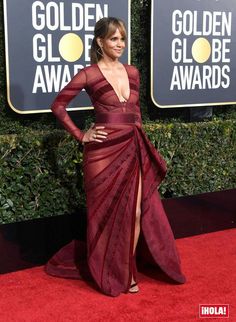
(134, 288)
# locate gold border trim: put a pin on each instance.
(8, 67)
(129, 31)
(151, 80)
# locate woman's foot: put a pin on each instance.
(133, 287)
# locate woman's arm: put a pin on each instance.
(138, 117)
(58, 107)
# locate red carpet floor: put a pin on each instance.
(209, 262)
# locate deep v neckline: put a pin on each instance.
(103, 76)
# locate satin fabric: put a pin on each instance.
(111, 177)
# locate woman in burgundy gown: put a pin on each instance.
(122, 171)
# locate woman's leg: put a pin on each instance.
(138, 213)
(137, 225)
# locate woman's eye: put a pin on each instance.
(115, 38)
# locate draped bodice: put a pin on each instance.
(103, 96)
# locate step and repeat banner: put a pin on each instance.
(47, 43)
(193, 52)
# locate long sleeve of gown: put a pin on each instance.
(58, 107)
(138, 117)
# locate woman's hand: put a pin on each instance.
(94, 134)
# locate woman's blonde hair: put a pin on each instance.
(104, 28)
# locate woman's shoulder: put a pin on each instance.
(133, 72)
(86, 72)
(132, 69)
(88, 68)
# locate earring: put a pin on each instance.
(99, 51)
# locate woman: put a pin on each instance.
(122, 170)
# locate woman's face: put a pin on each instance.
(113, 46)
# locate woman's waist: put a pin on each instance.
(116, 118)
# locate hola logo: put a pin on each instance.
(214, 310)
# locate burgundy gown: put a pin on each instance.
(111, 177)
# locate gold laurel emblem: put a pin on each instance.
(71, 47)
(201, 50)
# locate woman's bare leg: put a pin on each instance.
(137, 224)
(138, 214)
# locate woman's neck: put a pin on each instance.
(108, 62)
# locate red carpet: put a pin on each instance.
(209, 262)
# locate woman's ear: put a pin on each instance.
(99, 42)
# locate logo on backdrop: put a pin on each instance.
(53, 51)
(47, 44)
(193, 60)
